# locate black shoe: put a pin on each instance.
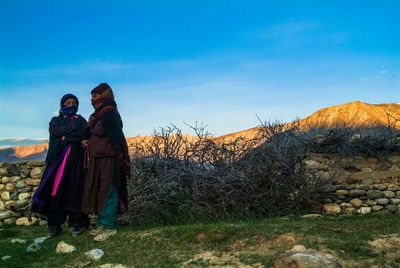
(77, 231)
(53, 231)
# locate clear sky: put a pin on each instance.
(221, 62)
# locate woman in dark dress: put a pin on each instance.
(60, 191)
(106, 191)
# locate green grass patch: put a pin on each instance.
(253, 241)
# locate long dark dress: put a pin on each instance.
(67, 159)
(108, 164)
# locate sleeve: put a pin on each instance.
(113, 127)
(56, 130)
(79, 134)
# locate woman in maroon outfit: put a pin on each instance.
(108, 165)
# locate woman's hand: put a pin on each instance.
(84, 143)
(63, 138)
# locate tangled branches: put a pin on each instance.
(178, 178)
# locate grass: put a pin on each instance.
(255, 242)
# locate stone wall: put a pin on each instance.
(18, 181)
(358, 184)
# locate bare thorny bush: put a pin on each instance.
(178, 178)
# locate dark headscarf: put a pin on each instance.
(68, 110)
(106, 96)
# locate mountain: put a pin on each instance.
(5, 142)
(354, 114)
(23, 153)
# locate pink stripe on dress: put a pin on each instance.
(59, 173)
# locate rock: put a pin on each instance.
(26, 222)
(382, 187)
(20, 184)
(376, 208)
(18, 241)
(14, 179)
(341, 196)
(40, 240)
(395, 201)
(3, 171)
(24, 196)
(36, 173)
(374, 194)
(5, 196)
(344, 204)
(2, 205)
(394, 168)
(34, 163)
(25, 190)
(10, 221)
(364, 188)
(367, 181)
(42, 222)
(363, 197)
(392, 208)
(349, 211)
(388, 194)
(95, 254)
(110, 265)
(350, 187)
(306, 259)
(4, 215)
(311, 216)
(11, 204)
(25, 172)
(357, 192)
(22, 203)
(298, 248)
(356, 202)
(63, 247)
(342, 192)
(10, 187)
(332, 208)
(16, 213)
(6, 257)
(382, 201)
(5, 180)
(2, 186)
(14, 196)
(32, 182)
(370, 202)
(364, 210)
(34, 247)
(13, 169)
(393, 187)
(311, 163)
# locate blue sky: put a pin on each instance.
(221, 62)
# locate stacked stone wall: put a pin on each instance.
(355, 185)
(18, 181)
(359, 184)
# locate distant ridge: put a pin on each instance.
(353, 114)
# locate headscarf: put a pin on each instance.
(68, 110)
(106, 96)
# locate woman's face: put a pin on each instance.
(95, 96)
(70, 102)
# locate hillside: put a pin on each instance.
(354, 114)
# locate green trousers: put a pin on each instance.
(109, 214)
